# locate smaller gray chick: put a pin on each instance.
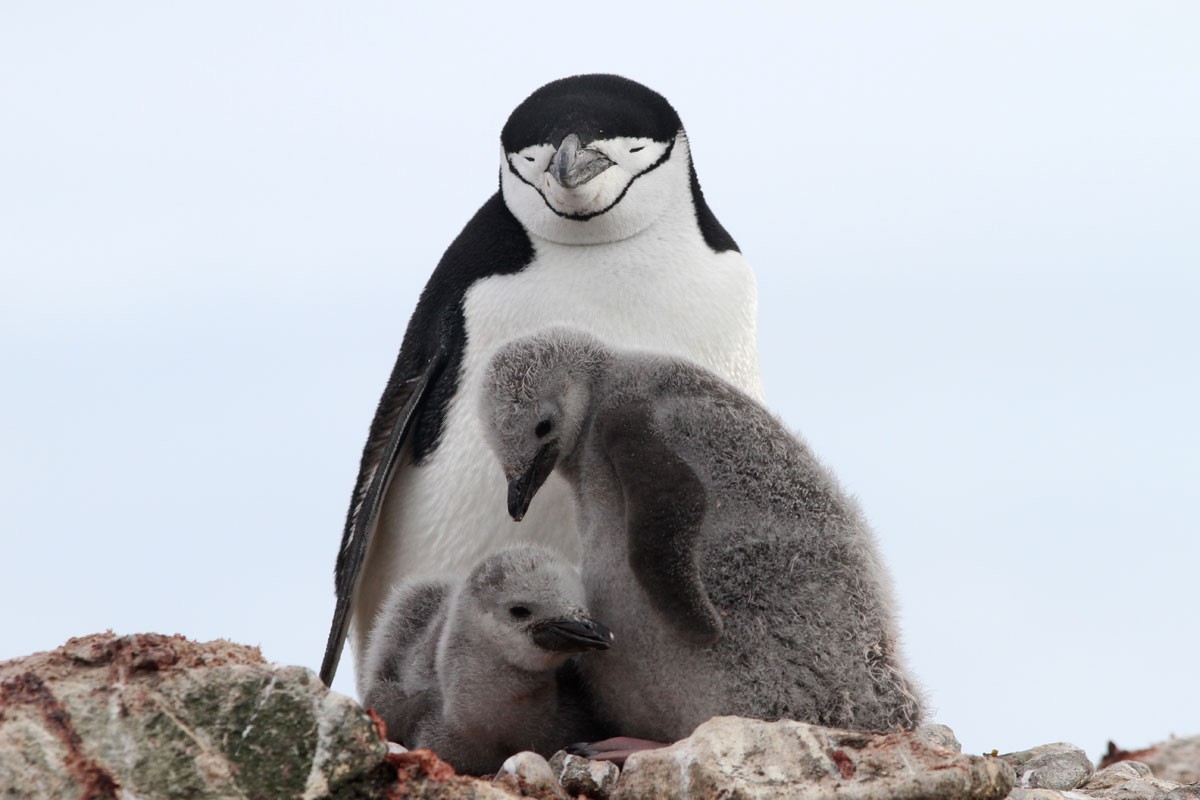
(480, 669)
(742, 578)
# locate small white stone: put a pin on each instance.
(528, 772)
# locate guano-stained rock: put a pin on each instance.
(731, 757)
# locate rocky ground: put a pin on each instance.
(150, 716)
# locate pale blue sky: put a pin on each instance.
(976, 231)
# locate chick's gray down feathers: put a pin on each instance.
(450, 667)
(742, 578)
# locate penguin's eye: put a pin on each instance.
(543, 427)
(639, 148)
(529, 158)
(519, 612)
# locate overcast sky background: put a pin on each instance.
(976, 232)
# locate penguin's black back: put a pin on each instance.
(492, 243)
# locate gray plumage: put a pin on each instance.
(742, 578)
(478, 670)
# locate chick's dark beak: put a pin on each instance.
(572, 165)
(564, 635)
(522, 487)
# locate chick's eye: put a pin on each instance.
(529, 158)
(639, 148)
(519, 612)
(543, 427)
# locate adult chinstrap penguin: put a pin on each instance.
(599, 223)
(742, 578)
(478, 669)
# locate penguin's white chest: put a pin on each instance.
(665, 294)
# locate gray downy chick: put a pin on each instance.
(480, 669)
(742, 578)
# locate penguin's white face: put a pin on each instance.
(594, 192)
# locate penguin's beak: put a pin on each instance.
(573, 165)
(563, 635)
(522, 487)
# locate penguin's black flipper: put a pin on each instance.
(664, 510)
(409, 398)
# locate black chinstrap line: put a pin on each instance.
(585, 217)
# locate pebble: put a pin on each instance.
(1116, 774)
(1136, 789)
(529, 775)
(1034, 794)
(1059, 766)
(579, 775)
(939, 735)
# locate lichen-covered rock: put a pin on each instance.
(1058, 766)
(1190, 791)
(583, 776)
(160, 717)
(731, 757)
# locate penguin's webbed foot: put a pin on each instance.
(616, 749)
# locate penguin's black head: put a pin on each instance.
(594, 108)
(592, 159)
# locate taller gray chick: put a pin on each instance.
(742, 578)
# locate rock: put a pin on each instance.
(1136, 789)
(583, 776)
(1177, 759)
(1189, 792)
(939, 735)
(529, 775)
(1059, 766)
(731, 757)
(154, 716)
(424, 776)
(1035, 794)
(1115, 775)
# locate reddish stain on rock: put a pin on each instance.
(844, 763)
(420, 763)
(29, 689)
